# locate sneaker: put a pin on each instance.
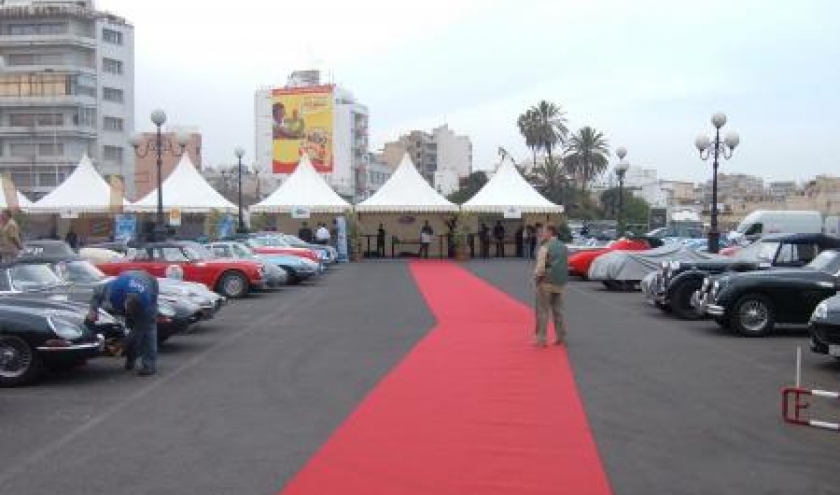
(146, 372)
(129, 365)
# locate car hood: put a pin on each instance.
(785, 274)
(44, 306)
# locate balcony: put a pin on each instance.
(70, 130)
(36, 40)
(51, 101)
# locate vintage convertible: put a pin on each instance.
(45, 333)
(296, 268)
(824, 327)
(752, 303)
(624, 270)
(679, 280)
(192, 262)
(275, 244)
(580, 262)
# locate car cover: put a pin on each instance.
(634, 265)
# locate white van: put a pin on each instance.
(763, 222)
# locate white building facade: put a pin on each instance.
(66, 89)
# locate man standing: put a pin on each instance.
(426, 234)
(380, 241)
(484, 240)
(550, 277)
(322, 235)
(519, 240)
(499, 237)
(72, 239)
(305, 233)
(10, 243)
(133, 294)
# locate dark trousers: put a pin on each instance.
(380, 249)
(424, 250)
(519, 249)
(500, 249)
(142, 343)
(485, 249)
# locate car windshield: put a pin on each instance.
(272, 241)
(827, 261)
(767, 251)
(79, 272)
(242, 251)
(197, 252)
(30, 277)
(294, 240)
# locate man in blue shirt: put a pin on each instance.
(133, 294)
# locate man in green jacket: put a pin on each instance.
(550, 276)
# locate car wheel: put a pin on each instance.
(610, 285)
(233, 285)
(752, 316)
(681, 300)
(293, 278)
(722, 322)
(19, 364)
(662, 307)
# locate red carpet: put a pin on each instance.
(472, 410)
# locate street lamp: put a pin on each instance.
(620, 169)
(159, 146)
(715, 149)
(239, 152)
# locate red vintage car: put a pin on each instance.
(580, 262)
(230, 277)
(272, 244)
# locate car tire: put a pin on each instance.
(752, 316)
(293, 278)
(665, 308)
(19, 362)
(722, 322)
(233, 285)
(681, 300)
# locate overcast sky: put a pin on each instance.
(647, 73)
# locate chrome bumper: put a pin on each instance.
(714, 310)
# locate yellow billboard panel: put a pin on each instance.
(302, 123)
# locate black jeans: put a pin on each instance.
(500, 249)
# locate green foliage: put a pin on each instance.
(354, 233)
(544, 128)
(461, 229)
(636, 210)
(260, 222)
(550, 179)
(469, 186)
(587, 155)
(564, 233)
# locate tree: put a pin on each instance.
(550, 179)
(469, 186)
(636, 210)
(549, 126)
(587, 155)
(528, 127)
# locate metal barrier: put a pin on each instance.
(793, 413)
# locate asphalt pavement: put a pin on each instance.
(684, 407)
(241, 403)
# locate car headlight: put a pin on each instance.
(65, 329)
(820, 312)
(675, 265)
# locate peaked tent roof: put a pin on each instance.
(406, 191)
(186, 190)
(23, 201)
(83, 191)
(508, 189)
(304, 187)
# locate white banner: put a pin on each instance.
(513, 212)
(300, 212)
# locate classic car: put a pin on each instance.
(275, 276)
(623, 270)
(824, 327)
(274, 244)
(297, 269)
(679, 280)
(192, 262)
(753, 302)
(34, 278)
(46, 247)
(327, 254)
(580, 262)
(47, 333)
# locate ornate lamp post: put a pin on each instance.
(715, 149)
(159, 146)
(621, 169)
(239, 152)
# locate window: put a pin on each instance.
(171, 255)
(85, 117)
(35, 29)
(112, 66)
(112, 36)
(796, 254)
(30, 120)
(112, 154)
(221, 252)
(47, 179)
(112, 94)
(22, 150)
(35, 59)
(51, 149)
(37, 84)
(112, 124)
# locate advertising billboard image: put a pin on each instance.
(302, 123)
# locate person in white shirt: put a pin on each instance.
(426, 234)
(322, 235)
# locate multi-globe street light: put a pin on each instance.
(620, 169)
(714, 149)
(159, 146)
(240, 152)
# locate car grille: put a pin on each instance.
(829, 334)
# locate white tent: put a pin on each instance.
(304, 188)
(185, 190)
(406, 191)
(83, 191)
(508, 190)
(22, 201)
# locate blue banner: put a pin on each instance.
(225, 227)
(125, 227)
(341, 239)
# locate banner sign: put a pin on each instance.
(302, 123)
(225, 227)
(175, 217)
(301, 212)
(125, 227)
(68, 214)
(341, 239)
(513, 212)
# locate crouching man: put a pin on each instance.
(134, 295)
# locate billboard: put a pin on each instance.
(302, 121)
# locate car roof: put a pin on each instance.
(46, 258)
(802, 238)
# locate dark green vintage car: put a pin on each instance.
(751, 303)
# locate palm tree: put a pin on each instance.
(527, 124)
(587, 155)
(549, 126)
(549, 178)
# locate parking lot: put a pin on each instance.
(243, 401)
